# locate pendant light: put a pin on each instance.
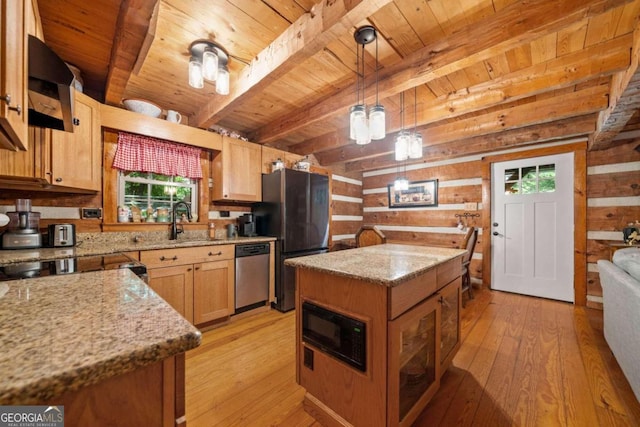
(208, 62)
(363, 128)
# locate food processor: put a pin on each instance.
(23, 230)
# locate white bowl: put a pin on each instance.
(143, 107)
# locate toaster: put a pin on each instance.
(62, 235)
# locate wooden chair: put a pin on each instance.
(469, 244)
(369, 235)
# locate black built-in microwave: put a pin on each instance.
(340, 336)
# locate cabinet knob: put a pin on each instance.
(197, 268)
(189, 269)
(76, 121)
(58, 179)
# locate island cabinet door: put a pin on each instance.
(414, 361)
(175, 286)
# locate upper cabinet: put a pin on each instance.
(13, 74)
(76, 156)
(57, 160)
(237, 171)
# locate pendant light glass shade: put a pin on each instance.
(356, 116)
(377, 126)
(210, 65)
(401, 184)
(195, 73)
(415, 146)
(222, 82)
(402, 145)
(361, 127)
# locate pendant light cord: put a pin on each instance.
(377, 66)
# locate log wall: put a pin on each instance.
(613, 201)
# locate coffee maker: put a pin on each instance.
(23, 230)
(247, 225)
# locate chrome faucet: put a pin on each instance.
(174, 226)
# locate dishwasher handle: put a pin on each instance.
(252, 249)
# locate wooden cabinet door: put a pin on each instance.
(175, 286)
(414, 362)
(76, 156)
(28, 164)
(237, 171)
(13, 75)
(213, 291)
(450, 299)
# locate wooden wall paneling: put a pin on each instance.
(344, 227)
(346, 188)
(462, 170)
(449, 240)
(597, 249)
(580, 211)
(611, 218)
(346, 208)
(446, 195)
(622, 184)
(622, 153)
(424, 218)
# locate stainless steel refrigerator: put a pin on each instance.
(295, 210)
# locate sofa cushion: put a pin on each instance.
(628, 259)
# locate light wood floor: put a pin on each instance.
(523, 362)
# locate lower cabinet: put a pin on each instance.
(198, 282)
(175, 286)
(213, 291)
(414, 361)
(422, 344)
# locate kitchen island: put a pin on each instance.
(102, 344)
(375, 329)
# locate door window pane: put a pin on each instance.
(530, 179)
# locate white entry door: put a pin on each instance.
(532, 227)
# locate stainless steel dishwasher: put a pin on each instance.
(252, 276)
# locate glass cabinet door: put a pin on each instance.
(450, 300)
(414, 361)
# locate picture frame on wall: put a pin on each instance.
(419, 194)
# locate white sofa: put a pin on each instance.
(620, 281)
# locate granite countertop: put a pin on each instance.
(60, 334)
(88, 247)
(388, 264)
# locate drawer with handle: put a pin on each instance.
(181, 256)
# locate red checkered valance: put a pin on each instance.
(145, 154)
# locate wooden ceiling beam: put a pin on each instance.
(134, 19)
(586, 101)
(312, 32)
(520, 22)
(624, 101)
(529, 135)
(558, 73)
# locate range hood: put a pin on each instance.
(50, 88)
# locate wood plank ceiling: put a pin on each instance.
(488, 74)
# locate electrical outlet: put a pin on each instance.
(225, 214)
(471, 206)
(91, 213)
